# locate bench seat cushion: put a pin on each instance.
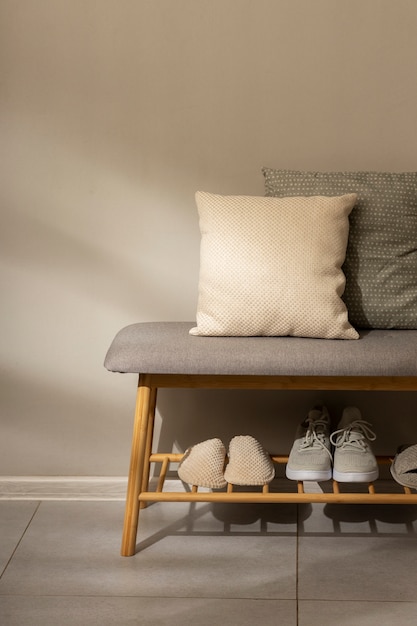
(168, 348)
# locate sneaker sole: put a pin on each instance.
(355, 477)
(316, 475)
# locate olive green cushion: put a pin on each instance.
(381, 258)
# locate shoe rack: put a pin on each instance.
(142, 456)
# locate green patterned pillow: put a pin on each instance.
(381, 258)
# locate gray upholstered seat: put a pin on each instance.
(167, 348)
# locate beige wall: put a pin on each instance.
(114, 112)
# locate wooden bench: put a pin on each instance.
(166, 356)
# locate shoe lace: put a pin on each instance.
(353, 436)
(315, 436)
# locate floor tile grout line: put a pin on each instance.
(297, 547)
(20, 540)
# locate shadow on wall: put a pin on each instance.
(191, 416)
(42, 248)
(66, 428)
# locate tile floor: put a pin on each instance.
(208, 564)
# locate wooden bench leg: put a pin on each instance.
(144, 415)
(148, 448)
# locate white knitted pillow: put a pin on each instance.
(272, 266)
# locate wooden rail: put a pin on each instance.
(368, 493)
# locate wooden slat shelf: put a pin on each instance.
(336, 492)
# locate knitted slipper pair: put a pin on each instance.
(404, 466)
(204, 464)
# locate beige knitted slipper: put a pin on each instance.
(203, 464)
(249, 463)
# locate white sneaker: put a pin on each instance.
(353, 460)
(310, 457)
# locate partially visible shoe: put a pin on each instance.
(353, 459)
(404, 466)
(310, 457)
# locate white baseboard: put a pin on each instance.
(63, 488)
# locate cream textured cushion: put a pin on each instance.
(272, 266)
